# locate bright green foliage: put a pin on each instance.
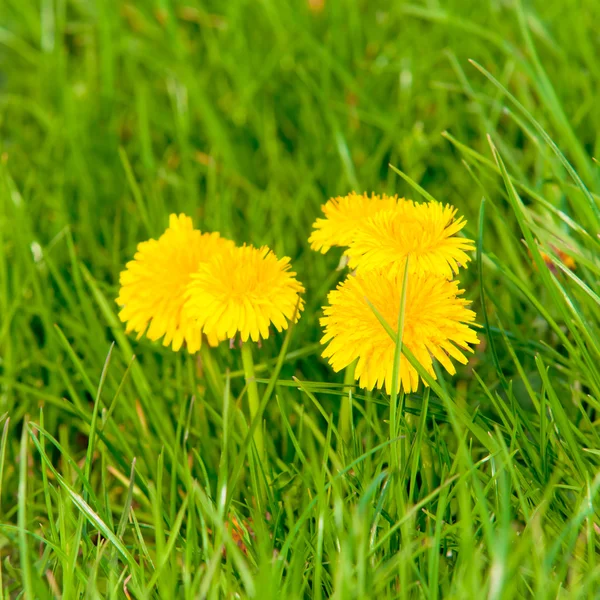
(121, 478)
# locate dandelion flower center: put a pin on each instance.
(436, 324)
(153, 284)
(425, 231)
(243, 291)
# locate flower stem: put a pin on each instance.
(211, 371)
(396, 379)
(252, 392)
(345, 425)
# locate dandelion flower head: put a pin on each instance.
(437, 323)
(426, 231)
(567, 261)
(344, 214)
(153, 284)
(244, 290)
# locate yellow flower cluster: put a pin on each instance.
(382, 235)
(189, 283)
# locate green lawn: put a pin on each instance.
(125, 478)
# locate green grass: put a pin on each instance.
(121, 477)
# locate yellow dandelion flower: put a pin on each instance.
(566, 260)
(344, 214)
(153, 284)
(244, 290)
(436, 324)
(425, 231)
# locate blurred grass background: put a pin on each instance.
(248, 116)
